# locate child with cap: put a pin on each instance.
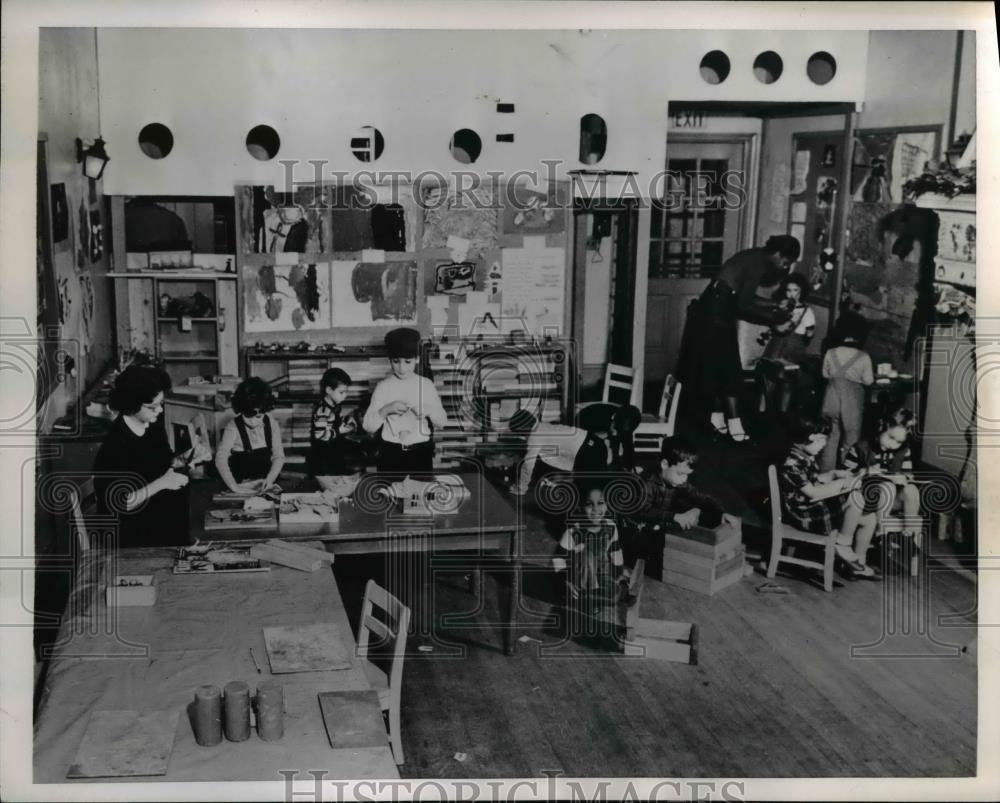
(404, 408)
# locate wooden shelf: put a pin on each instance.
(161, 319)
(178, 275)
(189, 357)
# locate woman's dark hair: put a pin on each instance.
(783, 244)
(677, 449)
(253, 395)
(137, 385)
(333, 378)
(802, 428)
(851, 329)
(799, 281)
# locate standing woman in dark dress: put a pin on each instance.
(134, 473)
(713, 365)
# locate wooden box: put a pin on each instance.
(700, 567)
(703, 586)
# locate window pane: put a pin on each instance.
(656, 224)
(655, 261)
(711, 254)
(715, 224)
(675, 226)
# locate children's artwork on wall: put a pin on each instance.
(533, 289)
(373, 293)
(455, 278)
(829, 156)
(282, 298)
(96, 236)
(530, 212)
(913, 150)
(83, 234)
(864, 242)
(444, 216)
(87, 309)
(494, 273)
(826, 192)
(60, 214)
(800, 178)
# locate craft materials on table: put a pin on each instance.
(305, 648)
(352, 718)
(207, 716)
(203, 558)
(308, 508)
(118, 744)
(240, 518)
(237, 711)
(445, 494)
(270, 711)
(271, 495)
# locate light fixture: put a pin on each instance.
(94, 158)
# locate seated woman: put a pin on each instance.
(250, 454)
(136, 458)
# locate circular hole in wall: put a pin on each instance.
(767, 67)
(367, 143)
(593, 138)
(263, 142)
(821, 67)
(465, 146)
(714, 67)
(156, 140)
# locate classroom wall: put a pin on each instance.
(68, 108)
(417, 87)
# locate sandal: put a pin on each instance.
(864, 571)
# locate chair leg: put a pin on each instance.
(395, 740)
(828, 556)
(915, 555)
(772, 564)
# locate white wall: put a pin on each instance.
(210, 86)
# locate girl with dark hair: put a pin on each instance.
(250, 454)
(787, 342)
(136, 458)
(713, 367)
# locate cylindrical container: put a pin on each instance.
(207, 715)
(270, 711)
(237, 711)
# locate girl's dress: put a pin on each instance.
(818, 516)
(848, 370)
(592, 556)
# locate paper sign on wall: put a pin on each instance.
(801, 177)
(533, 288)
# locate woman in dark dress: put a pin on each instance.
(134, 473)
(712, 365)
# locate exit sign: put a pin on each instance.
(688, 119)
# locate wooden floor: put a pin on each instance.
(776, 691)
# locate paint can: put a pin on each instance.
(237, 711)
(270, 711)
(207, 716)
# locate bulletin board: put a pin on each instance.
(317, 267)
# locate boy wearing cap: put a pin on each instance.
(404, 406)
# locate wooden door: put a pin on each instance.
(693, 231)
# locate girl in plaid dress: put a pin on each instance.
(590, 554)
(819, 502)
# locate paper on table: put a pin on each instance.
(305, 648)
(117, 744)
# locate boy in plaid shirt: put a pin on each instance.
(818, 502)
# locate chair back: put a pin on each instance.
(775, 494)
(619, 377)
(80, 499)
(387, 620)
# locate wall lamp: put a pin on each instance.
(94, 158)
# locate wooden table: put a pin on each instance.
(486, 525)
(200, 631)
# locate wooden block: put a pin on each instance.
(285, 557)
(303, 549)
(660, 650)
(352, 719)
(662, 629)
(713, 551)
(671, 554)
(700, 570)
(707, 535)
(707, 587)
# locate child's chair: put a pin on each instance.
(654, 428)
(620, 378)
(781, 532)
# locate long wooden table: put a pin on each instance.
(486, 529)
(200, 631)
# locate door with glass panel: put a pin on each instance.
(697, 225)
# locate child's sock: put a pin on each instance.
(846, 553)
(719, 421)
(736, 430)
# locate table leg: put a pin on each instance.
(509, 640)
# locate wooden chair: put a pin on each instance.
(81, 499)
(390, 643)
(617, 378)
(782, 533)
(654, 428)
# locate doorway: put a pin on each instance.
(694, 229)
